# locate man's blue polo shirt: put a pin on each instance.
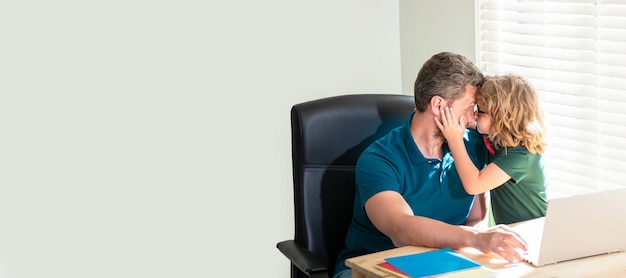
(431, 187)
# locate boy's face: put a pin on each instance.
(483, 121)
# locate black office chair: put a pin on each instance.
(328, 135)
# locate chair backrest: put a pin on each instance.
(328, 135)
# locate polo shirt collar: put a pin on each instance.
(415, 155)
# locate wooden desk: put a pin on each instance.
(608, 265)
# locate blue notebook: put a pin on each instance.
(431, 263)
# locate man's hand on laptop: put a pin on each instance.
(502, 241)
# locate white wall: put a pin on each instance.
(151, 139)
(430, 27)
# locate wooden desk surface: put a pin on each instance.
(608, 265)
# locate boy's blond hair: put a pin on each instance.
(515, 111)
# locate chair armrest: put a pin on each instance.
(302, 258)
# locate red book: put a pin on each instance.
(388, 268)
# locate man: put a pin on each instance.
(408, 191)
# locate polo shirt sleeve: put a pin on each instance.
(514, 162)
(374, 174)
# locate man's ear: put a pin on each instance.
(436, 103)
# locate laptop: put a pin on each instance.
(575, 227)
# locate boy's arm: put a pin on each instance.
(474, 180)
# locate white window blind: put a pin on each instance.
(574, 53)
